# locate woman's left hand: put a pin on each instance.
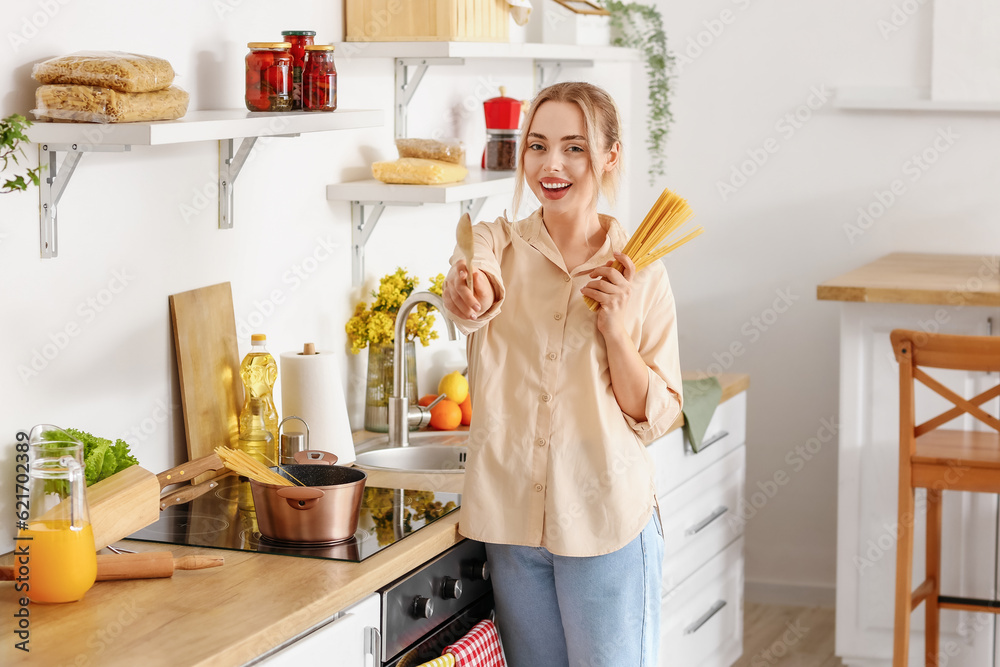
(611, 289)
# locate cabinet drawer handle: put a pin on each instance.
(701, 525)
(373, 646)
(694, 627)
(711, 441)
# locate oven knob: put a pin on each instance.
(451, 589)
(477, 571)
(422, 607)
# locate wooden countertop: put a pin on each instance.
(971, 280)
(228, 615)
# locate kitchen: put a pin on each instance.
(754, 82)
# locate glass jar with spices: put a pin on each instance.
(501, 150)
(299, 39)
(319, 79)
(269, 76)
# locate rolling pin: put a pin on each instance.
(147, 565)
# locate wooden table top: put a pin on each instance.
(929, 279)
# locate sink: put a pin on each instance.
(428, 452)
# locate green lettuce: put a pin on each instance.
(101, 457)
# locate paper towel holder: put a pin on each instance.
(293, 442)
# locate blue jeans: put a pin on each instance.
(593, 611)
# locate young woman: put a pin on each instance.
(557, 483)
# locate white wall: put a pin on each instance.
(782, 232)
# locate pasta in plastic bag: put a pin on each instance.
(431, 149)
(417, 171)
(117, 70)
(91, 104)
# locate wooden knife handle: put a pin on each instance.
(148, 565)
(189, 470)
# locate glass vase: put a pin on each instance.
(379, 387)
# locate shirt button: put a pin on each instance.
(552, 356)
(558, 316)
(546, 397)
(540, 442)
(566, 279)
(538, 487)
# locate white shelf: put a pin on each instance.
(375, 196)
(506, 50)
(477, 184)
(203, 126)
(905, 99)
(227, 126)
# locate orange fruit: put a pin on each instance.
(426, 399)
(446, 415)
(466, 406)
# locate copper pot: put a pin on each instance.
(324, 510)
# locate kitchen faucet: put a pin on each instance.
(401, 414)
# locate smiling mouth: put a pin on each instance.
(556, 186)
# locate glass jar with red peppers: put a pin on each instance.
(319, 79)
(269, 76)
(299, 39)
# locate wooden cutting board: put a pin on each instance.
(208, 365)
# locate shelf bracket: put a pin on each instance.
(361, 229)
(53, 184)
(406, 86)
(554, 69)
(231, 161)
(473, 206)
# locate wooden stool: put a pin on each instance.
(936, 460)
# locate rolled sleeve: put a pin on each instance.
(659, 349)
(489, 241)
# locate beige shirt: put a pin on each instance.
(553, 461)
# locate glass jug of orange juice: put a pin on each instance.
(61, 559)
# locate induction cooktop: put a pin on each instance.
(225, 519)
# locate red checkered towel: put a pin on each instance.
(479, 648)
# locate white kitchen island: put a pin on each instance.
(954, 294)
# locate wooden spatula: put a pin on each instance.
(465, 244)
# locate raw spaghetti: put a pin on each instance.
(658, 234)
(243, 464)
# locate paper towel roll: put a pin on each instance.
(310, 389)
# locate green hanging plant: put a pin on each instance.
(640, 26)
(11, 136)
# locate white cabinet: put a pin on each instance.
(344, 640)
(867, 495)
(703, 561)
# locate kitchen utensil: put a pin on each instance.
(208, 365)
(57, 527)
(503, 117)
(131, 499)
(148, 565)
(324, 511)
(465, 244)
(292, 442)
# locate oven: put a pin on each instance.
(433, 606)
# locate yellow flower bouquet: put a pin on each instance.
(376, 326)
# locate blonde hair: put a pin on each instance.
(601, 120)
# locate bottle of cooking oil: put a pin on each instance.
(256, 440)
(259, 372)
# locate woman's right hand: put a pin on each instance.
(462, 301)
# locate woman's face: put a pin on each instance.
(557, 161)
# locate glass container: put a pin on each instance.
(319, 79)
(380, 383)
(269, 76)
(54, 549)
(300, 40)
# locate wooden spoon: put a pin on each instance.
(465, 244)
